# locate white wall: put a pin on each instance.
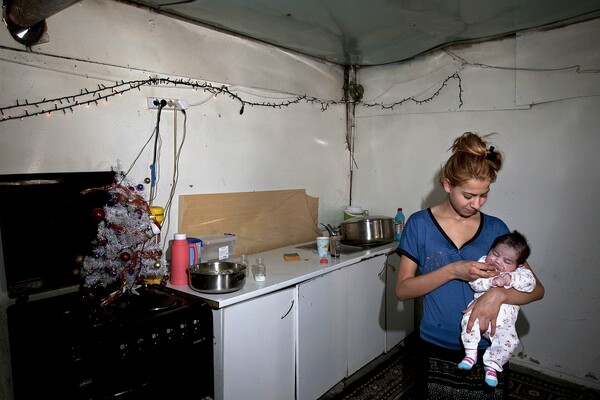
(547, 124)
(99, 43)
(93, 43)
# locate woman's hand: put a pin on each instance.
(410, 286)
(486, 309)
(469, 271)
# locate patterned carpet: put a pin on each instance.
(393, 379)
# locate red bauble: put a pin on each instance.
(98, 214)
(125, 256)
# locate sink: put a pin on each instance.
(345, 248)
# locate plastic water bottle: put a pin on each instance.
(180, 259)
(398, 224)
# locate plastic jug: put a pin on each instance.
(180, 259)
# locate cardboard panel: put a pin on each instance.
(260, 220)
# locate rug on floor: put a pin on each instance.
(393, 380)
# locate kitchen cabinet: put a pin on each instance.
(366, 312)
(256, 359)
(322, 333)
(340, 325)
(399, 315)
(304, 329)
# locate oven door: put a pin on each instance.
(54, 356)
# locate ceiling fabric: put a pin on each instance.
(373, 32)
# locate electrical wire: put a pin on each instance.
(576, 67)
(140, 153)
(154, 177)
(156, 166)
(177, 155)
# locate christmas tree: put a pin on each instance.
(126, 250)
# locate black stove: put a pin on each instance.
(150, 343)
(155, 344)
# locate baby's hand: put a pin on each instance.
(501, 280)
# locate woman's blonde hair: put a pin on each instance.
(471, 159)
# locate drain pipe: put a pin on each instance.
(26, 19)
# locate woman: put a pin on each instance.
(438, 248)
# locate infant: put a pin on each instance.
(507, 255)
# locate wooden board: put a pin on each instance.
(261, 221)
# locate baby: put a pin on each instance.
(507, 255)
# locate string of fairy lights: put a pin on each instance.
(87, 97)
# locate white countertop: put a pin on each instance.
(282, 274)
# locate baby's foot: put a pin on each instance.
(466, 363)
(490, 377)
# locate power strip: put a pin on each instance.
(168, 104)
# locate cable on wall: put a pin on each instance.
(155, 166)
(576, 68)
(175, 179)
(154, 173)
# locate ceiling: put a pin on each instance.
(373, 32)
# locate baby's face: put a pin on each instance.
(503, 258)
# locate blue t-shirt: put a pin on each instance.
(424, 242)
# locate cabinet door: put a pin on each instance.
(366, 312)
(399, 314)
(258, 348)
(322, 334)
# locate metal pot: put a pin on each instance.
(217, 277)
(367, 231)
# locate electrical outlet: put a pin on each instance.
(168, 104)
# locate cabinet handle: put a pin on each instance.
(392, 266)
(289, 309)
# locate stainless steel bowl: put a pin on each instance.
(217, 277)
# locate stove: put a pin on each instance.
(155, 344)
(68, 346)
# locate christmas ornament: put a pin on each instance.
(99, 214)
(158, 213)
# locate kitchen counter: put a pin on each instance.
(303, 337)
(282, 274)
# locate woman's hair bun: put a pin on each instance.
(471, 159)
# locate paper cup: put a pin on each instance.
(322, 246)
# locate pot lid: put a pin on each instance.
(367, 218)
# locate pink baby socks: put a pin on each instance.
(469, 360)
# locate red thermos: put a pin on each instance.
(180, 259)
